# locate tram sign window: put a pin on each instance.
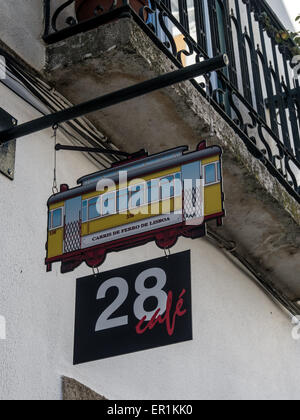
(134, 308)
(155, 198)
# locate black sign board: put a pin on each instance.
(138, 307)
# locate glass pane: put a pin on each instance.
(108, 204)
(136, 196)
(93, 213)
(167, 187)
(178, 185)
(210, 174)
(57, 218)
(122, 200)
(153, 191)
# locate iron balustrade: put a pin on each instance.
(258, 95)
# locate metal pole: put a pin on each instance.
(59, 147)
(114, 98)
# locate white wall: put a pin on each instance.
(30, 299)
(242, 344)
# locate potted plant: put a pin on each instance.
(87, 9)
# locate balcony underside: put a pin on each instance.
(262, 218)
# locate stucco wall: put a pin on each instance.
(29, 299)
(21, 29)
(242, 344)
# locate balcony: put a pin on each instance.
(251, 109)
(258, 96)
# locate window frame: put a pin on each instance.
(88, 208)
(144, 184)
(161, 187)
(173, 175)
(181, 191)
(115, 201)
(118, 211)
(149, 186)
(100, 216)
(217, 173)
(50, 222)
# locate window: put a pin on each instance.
(171, 186)
(212, 173)
(89, 209)
(164, 188)
(109, 204)
(122, 200)
(92, 209)
(56, 218)
(167, 187)
(153, 191)
(178, 187)
(137, 196)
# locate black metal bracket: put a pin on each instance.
(140, 153)
(7, 150)
(114, 98)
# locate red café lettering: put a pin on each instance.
(170, 324)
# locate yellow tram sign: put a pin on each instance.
(154, 198)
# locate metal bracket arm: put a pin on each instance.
(114, 98)
(140, 153)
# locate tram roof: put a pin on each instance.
(137, 169)
(142, 163)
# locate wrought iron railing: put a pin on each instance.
(259, 95)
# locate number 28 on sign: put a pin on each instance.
(147, 320)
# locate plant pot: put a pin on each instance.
(87, 9)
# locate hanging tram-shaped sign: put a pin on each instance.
(154, 198)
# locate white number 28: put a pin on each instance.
(105, 322)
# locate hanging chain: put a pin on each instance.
(211, 120)
(96, 271)
(167, 252)
(55, 187)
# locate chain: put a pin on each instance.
(96, 271)
(167, 253)
(211, 120)
(55, 186)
